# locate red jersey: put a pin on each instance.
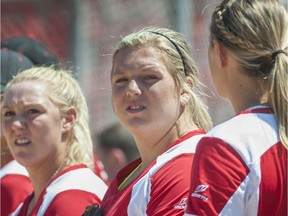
(68, 193)
(240, 168)
(161, 189)
(15, 186)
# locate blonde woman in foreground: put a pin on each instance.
(45, 123)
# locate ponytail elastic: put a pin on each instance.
(274, 54)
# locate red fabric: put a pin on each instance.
(240, 168)
(171, 186)
(272, 191)
(71, 202)
(115, 202)
(14, 190)
(165, 192)
(223, 176)
(68, 193)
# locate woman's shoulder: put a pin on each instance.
(249, 135)
(72, 190)
(71, 202)
(77, 176)
(13, 167)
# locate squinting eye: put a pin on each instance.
(150, 77)
(121, 81)
(33, 111)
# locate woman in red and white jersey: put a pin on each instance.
(45, 124)
(156, 96)
(240, 166)
(15, 184)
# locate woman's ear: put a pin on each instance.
(190, 82)
(185, 97)
(69, 119)
(220, 52)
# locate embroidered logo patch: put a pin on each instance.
(182, 204)
(199, 189)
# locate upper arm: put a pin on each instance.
(71, 202)
(170, 187)
(217, 172)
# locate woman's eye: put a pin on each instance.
(33, 111)
(150, 77)
(8, 113)
(120, 81)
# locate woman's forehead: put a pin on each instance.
(25, 91)
(139, 56)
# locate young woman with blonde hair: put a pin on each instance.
(240, 166)
(45, 124)
(156, 94)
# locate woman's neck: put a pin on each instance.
(42, 176)
(246, 91)
(244, 101)
(150, 147)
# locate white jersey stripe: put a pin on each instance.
(139, 197)
(73, 180)
(13, 167)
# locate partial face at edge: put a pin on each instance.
(32, 124)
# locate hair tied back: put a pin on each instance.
(274, 54)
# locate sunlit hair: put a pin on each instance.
(65, 92)
(179, 63)
(252, 30)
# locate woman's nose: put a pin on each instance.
(19, 124)
(133, 88)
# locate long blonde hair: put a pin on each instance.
(256, 33)
(64, 91)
